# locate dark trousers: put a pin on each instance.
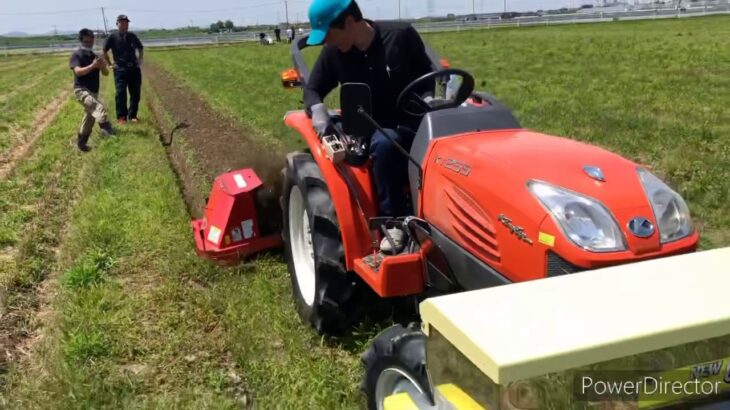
(390, 171)
(128, 78)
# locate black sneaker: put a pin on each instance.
(106, 129)
(81, 142)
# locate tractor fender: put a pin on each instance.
(351, 208)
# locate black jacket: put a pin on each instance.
(396, 57)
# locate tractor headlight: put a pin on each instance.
(670, 210)
(584, 221)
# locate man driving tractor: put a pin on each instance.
(387, 56)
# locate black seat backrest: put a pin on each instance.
(454, 121)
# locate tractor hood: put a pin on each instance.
(477, 191)
(523, 156)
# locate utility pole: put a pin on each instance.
(286, 10)
(505, 6)
(103, 16)
(398, 9)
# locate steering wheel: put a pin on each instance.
(409, 96)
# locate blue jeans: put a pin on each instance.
(390, 172)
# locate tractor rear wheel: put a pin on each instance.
(395, 363)
(327, 296)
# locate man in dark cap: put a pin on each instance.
(128, 55)
(86, 66)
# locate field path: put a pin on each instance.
(218, 144)
(43, 118)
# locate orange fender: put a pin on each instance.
(356, 237)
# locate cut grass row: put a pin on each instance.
(24, 95)
(655, 92)
(139, 321)
(43, 178)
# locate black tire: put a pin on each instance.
(338, 302)
(400, 348)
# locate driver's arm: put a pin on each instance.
(322, 80)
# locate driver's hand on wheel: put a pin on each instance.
(320, 118)
(434, 101)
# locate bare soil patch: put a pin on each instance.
(218, 144)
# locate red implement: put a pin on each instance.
(229, 231)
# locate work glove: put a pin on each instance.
(320, 118)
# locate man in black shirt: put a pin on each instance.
(127, 69)
(86, 66)
(385, 55)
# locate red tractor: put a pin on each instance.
(492, 203)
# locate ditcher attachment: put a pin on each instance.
(230, 230)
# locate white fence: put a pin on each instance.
(585, 16)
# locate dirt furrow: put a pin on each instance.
(43, 118)
(34, 258)
(217, 144)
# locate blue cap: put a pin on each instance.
(321, 14)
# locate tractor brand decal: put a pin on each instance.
(236, 234)
(240, 182)
(705, 370)
(454, 165)
(546, 239)
(247, 227)
(594, 172)
(641, 227)
(214, 235)
(517, 230)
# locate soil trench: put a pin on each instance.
(43, 118)
(218, 144)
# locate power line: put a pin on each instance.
(257, 5)
(38, 13)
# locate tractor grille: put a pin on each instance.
(557, 266)
(472, 224)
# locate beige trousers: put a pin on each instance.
(93, 110)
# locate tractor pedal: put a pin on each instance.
(334, 148)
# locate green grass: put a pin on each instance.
(656, 92)
(26, 89)
(241, 81)
(33, 200)
(140, 321)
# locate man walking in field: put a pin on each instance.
(128, 55)
(86, 66)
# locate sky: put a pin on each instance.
(45, 16)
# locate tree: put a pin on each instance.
(228, 25)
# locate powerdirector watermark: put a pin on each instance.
(696, 382)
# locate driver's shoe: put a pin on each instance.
(398, 237)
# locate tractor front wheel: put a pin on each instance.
(327, 296)
(395, 363)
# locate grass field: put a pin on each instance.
(24, 86)
(117, 311)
